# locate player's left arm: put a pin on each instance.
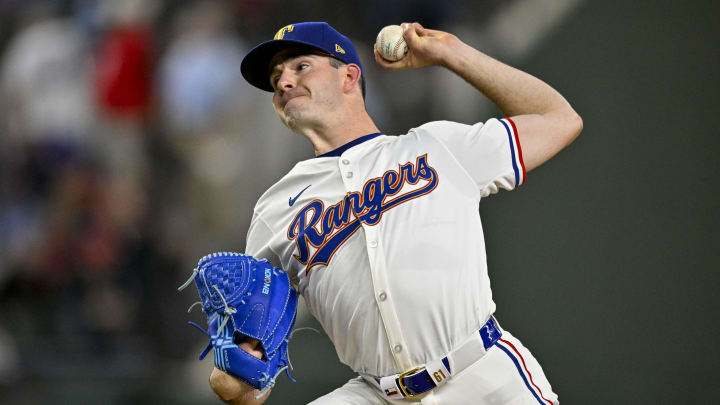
(232, 390)
(545, 121)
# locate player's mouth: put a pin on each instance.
(290, 95)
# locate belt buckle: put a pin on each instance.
(403, 388)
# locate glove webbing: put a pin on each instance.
(228, 312)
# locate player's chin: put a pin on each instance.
(295, 108)
(289, 121)
(293, 118)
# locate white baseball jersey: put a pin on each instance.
(384, 241)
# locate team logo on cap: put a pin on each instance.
(339, 49)
(281, 32)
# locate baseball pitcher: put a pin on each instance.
(380, 234)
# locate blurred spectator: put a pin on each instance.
(205, 103)
(124, 66)
(124, 74)
(201, 86)
(44, 79)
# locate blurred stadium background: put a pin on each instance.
(130, 146)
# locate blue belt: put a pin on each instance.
(419, 380)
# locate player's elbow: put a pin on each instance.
(573, 124)
(577, 124)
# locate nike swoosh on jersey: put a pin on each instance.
(292, 200)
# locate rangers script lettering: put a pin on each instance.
(366, 206)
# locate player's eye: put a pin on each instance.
(275, 78)
(303, 66)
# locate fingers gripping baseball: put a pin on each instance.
(425, 47)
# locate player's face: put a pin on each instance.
(307, 89)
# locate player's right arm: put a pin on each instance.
(546, 123)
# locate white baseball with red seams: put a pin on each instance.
(384, 241)
(390, 43)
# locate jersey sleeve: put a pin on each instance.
(258, 241)
(490, 152)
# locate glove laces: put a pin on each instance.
(229, 311)
(271, 382)
(212, 341)
(189, 280)
(287, 353)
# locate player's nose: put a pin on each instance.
(286, 81)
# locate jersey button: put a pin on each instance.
(397, 348)
(345, 162)
(373, 243)
(348, 175)
(382, 296)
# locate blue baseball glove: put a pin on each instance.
(246, 298)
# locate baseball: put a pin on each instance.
(390, 43)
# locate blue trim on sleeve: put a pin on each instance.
(357, 141)
(512, 152)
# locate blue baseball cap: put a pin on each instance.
(255, 67)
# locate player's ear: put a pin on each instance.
(352, 76)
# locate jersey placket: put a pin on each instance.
(353, 181)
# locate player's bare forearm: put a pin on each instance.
(233, 391)
(513, 91)
(545, 120)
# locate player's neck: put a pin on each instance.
(336, 134)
